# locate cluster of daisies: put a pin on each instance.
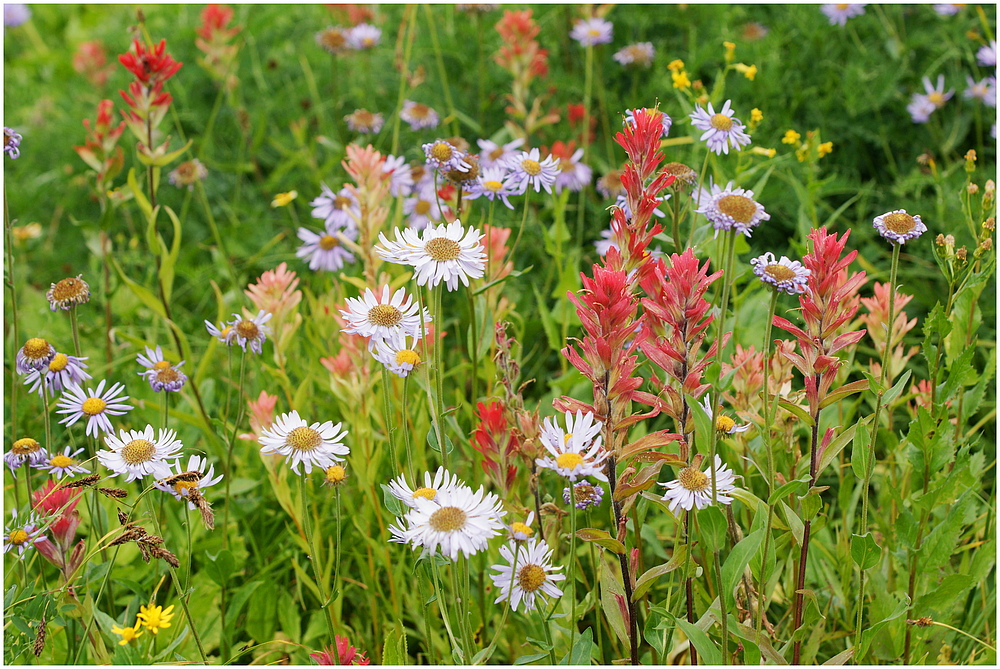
(338, 40)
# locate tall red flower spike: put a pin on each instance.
(494, 439)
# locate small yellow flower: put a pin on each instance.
(676, 65)
(756, 115)
(284, 199)
(791, 137)
(681, 80)
(761, 151)
(748, 71)
(335, 475)
(127, 633)
(802, 153)
(154, 618)
(825, 148)
(730, 48)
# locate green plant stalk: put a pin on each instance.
(216, 236)
(688, 580)
(9, 248)
(520, 230)
(506, 608)
(544, 624)
(165, 415)
(74, 326)
(406, 431)
(804, 552)
(229, 451)
(572, 568)
(411, 13)
(436, 297)
(769, 447)
(441, 70)
(619, 520)
(474, 352)
(431, 403)
(387, 415)
(317, 572)
(701, 184)
(442, 607)
(588, 87)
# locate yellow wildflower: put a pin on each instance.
(681, 80)
(791, 137)
(676, 65)
(825, 148)
(761, 151)
(756, 115)
(747, 71)
(802, 153)
(127, 633)
(730, 48)
(154, 618)
(335, 475)
(284, 199)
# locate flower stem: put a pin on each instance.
(229, 450)
(804, 552)
(474, 350)
(543, 621)
(769, 447)
(9, 280)
(688, 581)
(520, 230)
(406, 430)
(506, 608)
(387, 411)
(442, 607)
(76, 330)
(314, 560)
(572, 571)
(432, 24)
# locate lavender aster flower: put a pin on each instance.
(400, 176)
(363, 36)
(530, 170)
(444, 157)
(987, 55)
(365, 122)
(585, 494)
(732, 208)
(419, 116)
(11, 143)
(838, 14)
(325, 252)
(899, 227)
(640, 54)
(15, 14)
(722, 129)
(984, 90)
(592, 31)
(787, 276)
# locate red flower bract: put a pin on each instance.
(347, 654)
(151, 67)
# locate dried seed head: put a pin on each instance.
(39, 638)
(86, 481)
(122, 518)
(114, 493)
(164, 554)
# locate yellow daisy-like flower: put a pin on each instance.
(825, 148)
(756, 115)
(681, 80)
(154, 618)
(284, 199)
(791, 137)
(127, 633)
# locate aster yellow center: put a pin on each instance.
(168, 375)
(448, 519)
(724, 424)
(59, 362)
(17, 537)
(68, 289)
(181, 487)
(899, 222)
(936, 98)
(496, 153)
(692, 479)
(162, 364)
(741, 209)
(407, 357)
(531, 167)
(442, 249)
(385, 315)
(25, 446)
(138, 451)
(335, 474)
(521, 528)
(442, 151)
(721, 122)
(62, 461)
(363, 117)
(569, 461)
(304, 439)
(426, 493)
(420, 111)
(492, 185)
(333, 39)
(247, 329)
(842, 6)
(530, 577)
(327, 242)
(779, 272)
(422, 208)
(36, 348)
(341, 202)
(93, 406)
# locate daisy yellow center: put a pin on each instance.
(36, 348)
(842, 6)
(422, 208)
(18, 537)
(25, 446)
(420, 111)
(138, 451)
(566, 165)
(385, 315)
(426, 493)
(368, 41)
(59, 362)
(448, 519)
(162, 364)
(496, 153)
(530, 577)
(93, 406)
(721, 122)
(333, 39)
(168, 375)
(899, 223)
(442, 151)
(327, 242)
(494, 186)
(779, 272)
(407, 357)
(62, 461)
(304, 439)
(442, 249)
(247, 329)
(181, 487)
(936, 98)
(692, 479)
(224, 332)
(341, 202)
(724, 424)
(594, 32)
(521, 528)
(335, 474)
(363, 117)
(67, 289)
(531, 167)
(739, 208)
(569, 461)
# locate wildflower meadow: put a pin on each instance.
(499, 334)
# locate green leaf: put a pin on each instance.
(958, 375)
(611, 586)
(392, 504)
(141, 292)
(548, 323)
(221, 566)
(894, 392)
(862, 461)
(795, 523)
(865, 552)
(288, 614)
(835, 447)
(712, 525)
(394, 648)
(841, 658)
(239, 600)
(140, 197)
(649, 577)
(797, 411)
(168, 261)
(787, 489)
(844, 391)
(583, 648)
(869, 634)
(601, 538)
(708, 653)
(528, 659)
(739, 558)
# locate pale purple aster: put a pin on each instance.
(444, 157)
(419, 116)
(733, 209)
(36, 354)
(530, 170)
(492, 154)
(984, 90)
(722, 129)
(400, 175)
(664, 119)
(223, 332)
(586, 494)
(948, 8)
(365, 122)
(493, 183)
(22, 535)
(160, 374)
(363, 36)
(920, 108)
(95, 405)
(253, 331)
(640, 54)
(182, 490)
(63, 371)
(422, 208)
(987, 55)
(936, 94)
(340, 210)
(838, 14)
(15, 14)
(592, 31)
(25, 451)
(11, 143)
(326, 252)
(573, 174)
(898, 226)
(786, 276)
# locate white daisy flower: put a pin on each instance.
(722, 129)
(392, 315)
(36, 354)
(400, 176)
(251, 330)
(363, 36)
(527, 575)
(732, 208)
(457, 520)
(21, 536)
(317, 445)
(529, 169)
(25, 451)
(493, 183)
(325, 251)
(95, 405)
(66, 464)
(181, 487)
(140, 454)
(693, 487)
(492, 154)
(399, 356)
(576, 451)
(787, 276)
(899, 227)
(160, 374)
(447, 253)
(723, 424)
(443, 481)
(573, 174)
(63, 371)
